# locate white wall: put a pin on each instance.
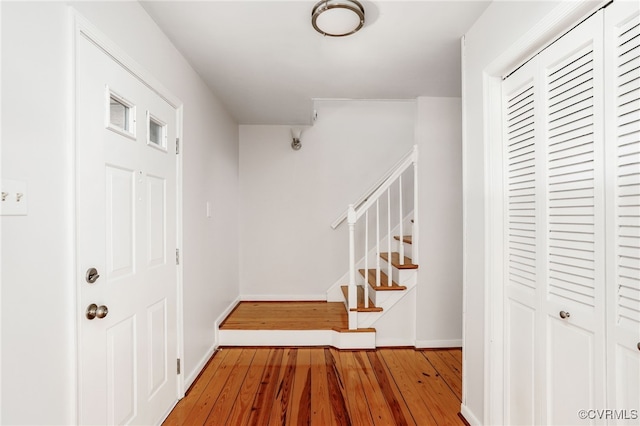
(490, 51)
(289, 198)
(37, 285)
(439, 292)
(38, 291)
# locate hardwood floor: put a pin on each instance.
(325, 386)
(287, 316)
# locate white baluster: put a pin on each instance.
(401, 244)
(415, 230)
(378, 243)
(366, 259)
(389, 234)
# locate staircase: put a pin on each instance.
(378, 291)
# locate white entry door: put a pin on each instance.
(126, 244)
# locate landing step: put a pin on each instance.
(383, 281)
(361, 338)
(395, 261)
(406, 239)
(360, 308)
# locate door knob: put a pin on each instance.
(564, 314)
(92, 275)
(94, 311)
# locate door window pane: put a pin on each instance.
(156, 132)
(119, 114)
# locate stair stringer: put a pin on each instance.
(397, 325)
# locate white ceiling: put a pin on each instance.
(266, 63)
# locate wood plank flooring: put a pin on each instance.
(287, 316)
(325, 386)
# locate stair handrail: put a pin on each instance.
(356, 211)
(386, 180)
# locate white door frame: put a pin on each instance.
(81, 27)
(554, 25)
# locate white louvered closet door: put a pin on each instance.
(572, 230)
(573, 223)
(521, 135)
(622, 93)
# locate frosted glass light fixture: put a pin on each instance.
(296, 143)
(337, 18)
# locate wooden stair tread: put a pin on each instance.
(360, 308)
(355, 330)
(395, 261)
(371, 279)
(406, 239)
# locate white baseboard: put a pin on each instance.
(469, 416)
(428, 344)
(226, 312)
(188, 381)
(283, 297)
(389, 342)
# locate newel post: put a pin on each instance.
(353, 292)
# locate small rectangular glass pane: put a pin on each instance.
(156, 131)
(119, 114)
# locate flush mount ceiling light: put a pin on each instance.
(337, 18)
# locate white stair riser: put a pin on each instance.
(404, 277)
(340, 340)
(407, 250)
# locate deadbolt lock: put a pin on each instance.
(92, 275)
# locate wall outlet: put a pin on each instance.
(13, 198)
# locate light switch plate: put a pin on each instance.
(14, 198)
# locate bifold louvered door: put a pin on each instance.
(572, 229)
(573, 223)
(622, 135)
(522, 288)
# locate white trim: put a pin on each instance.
(551, 27)
(469, 416)
(433, 344)
(80, 26)
(188, 381)
(340, 340)
(180, 246)
(74, 369)
(465, 185)
(94, 35)
(225, 313)
(494, 221)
